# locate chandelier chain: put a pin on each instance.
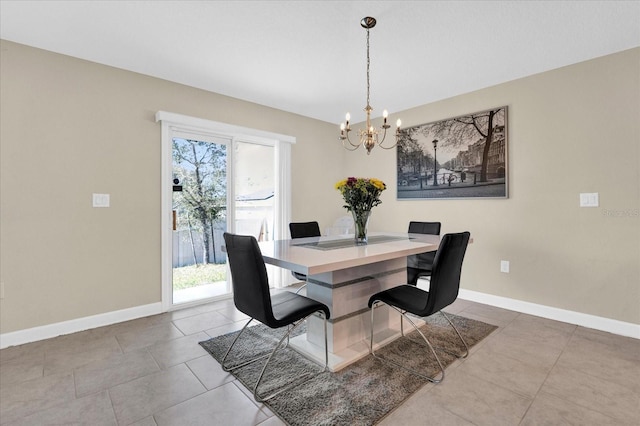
(369, 137)
(368, 62)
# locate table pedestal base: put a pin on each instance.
(346, 293)
(349, 355)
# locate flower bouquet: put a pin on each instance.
(360, 196)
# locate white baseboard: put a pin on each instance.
(66, 327)
(108, 318)
(571, 317)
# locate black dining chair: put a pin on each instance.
(251, 296)
(420, 265)
(445, 283)
(303, 230)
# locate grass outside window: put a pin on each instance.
(195, 275)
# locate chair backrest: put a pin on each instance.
(423, 260)
(432, 228)
(304, 229)
(445, 276)
(249, 277)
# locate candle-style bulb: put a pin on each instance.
(398, 123)
(385, 113)
(342, 126)
(348, 117)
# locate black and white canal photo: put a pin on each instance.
(460, 157)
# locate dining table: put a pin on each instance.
(344, 275)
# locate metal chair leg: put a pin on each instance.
(242, 364)
(431, 379)
(466, 348)
(304, 378)
(464, 343)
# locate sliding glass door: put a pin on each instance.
(199, 209)
(254, 189)
(204, 167)
(217, 178)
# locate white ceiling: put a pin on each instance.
(309, 57)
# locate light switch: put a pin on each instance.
(589, 199)
(100, 200)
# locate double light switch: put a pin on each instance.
(100, 200)
(589, 199)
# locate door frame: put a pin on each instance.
(172, 122)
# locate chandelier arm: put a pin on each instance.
(345, 146)
(384, 135)
(355, 146)
(388, 147)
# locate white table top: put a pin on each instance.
(294, 256)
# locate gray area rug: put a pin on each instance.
(361, 393)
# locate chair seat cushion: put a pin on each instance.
(407, 297)
(289, 307)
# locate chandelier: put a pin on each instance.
(370, 136)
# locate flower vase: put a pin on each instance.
(360, 222)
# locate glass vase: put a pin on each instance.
(360, 222)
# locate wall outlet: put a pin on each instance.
(589, 199)
(504, 266)
(101, 200)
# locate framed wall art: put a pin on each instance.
(460, 157)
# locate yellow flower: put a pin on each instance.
(360, 194)
(340, 184)
(378, 184)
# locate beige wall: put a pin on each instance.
(571, 130)
(70, 128)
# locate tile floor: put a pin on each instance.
(151, 371)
